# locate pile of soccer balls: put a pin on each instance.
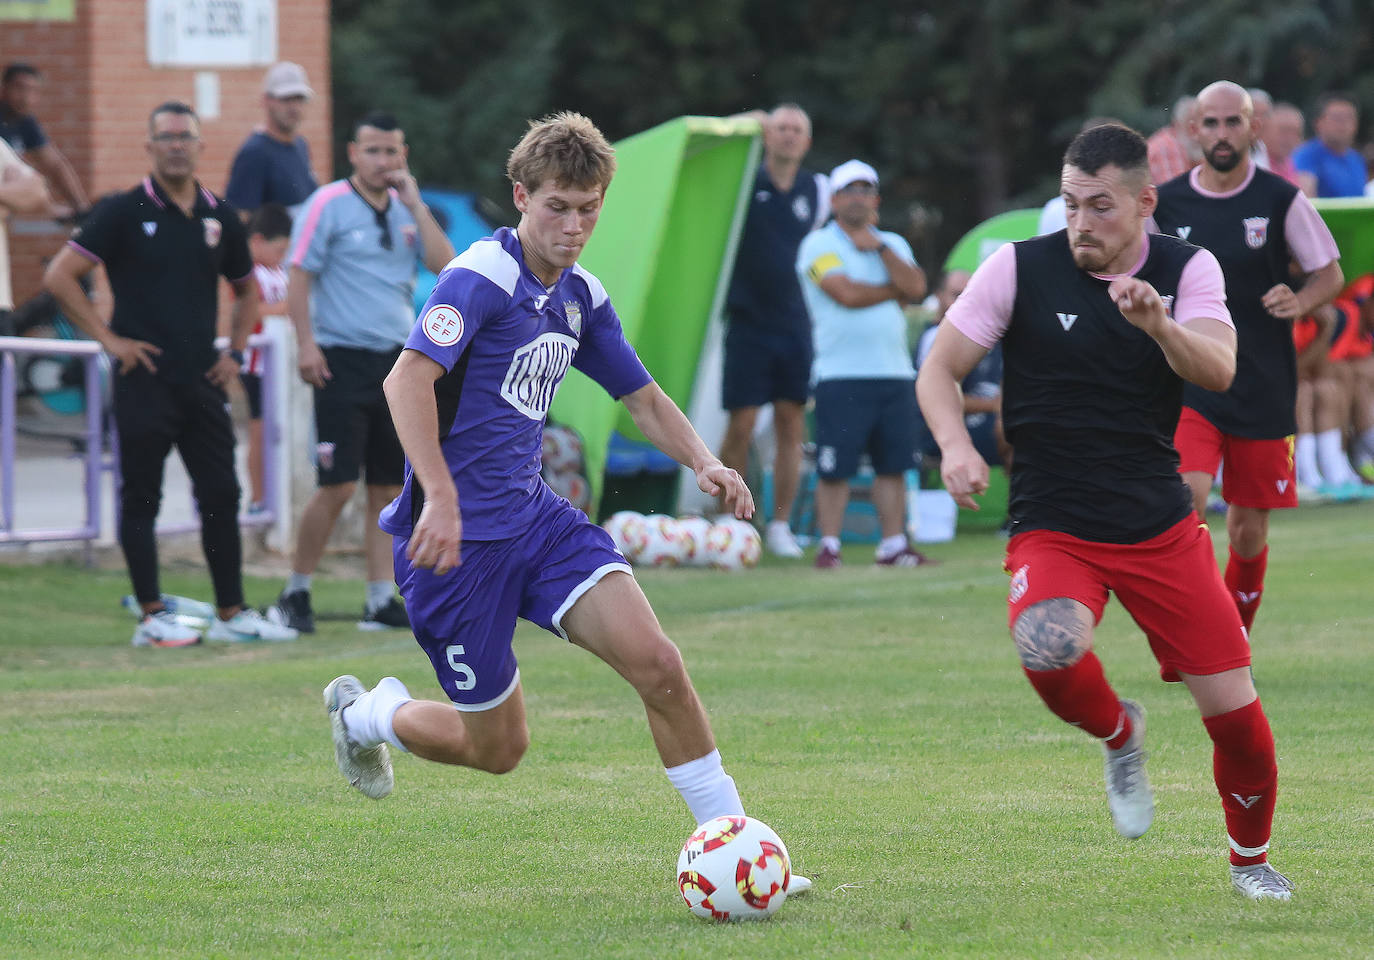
(658, 540)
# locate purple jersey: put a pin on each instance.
(506, 341)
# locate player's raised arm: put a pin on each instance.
(668, 428)
(409, 389)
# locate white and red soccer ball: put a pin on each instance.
(734, 868)
(733, 545)
(694, 532)
(664, 546)
(629, 531)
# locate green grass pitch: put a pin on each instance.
(185, 803)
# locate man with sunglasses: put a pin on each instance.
(355, 247)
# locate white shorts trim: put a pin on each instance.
(583, 587)
(1247, 851)
(495, 701)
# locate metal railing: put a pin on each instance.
(95, 443)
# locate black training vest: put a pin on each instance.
(1246, 234)
(1089, 402)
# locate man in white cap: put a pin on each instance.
(855, 279)
(273, 165)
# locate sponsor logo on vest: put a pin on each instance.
(1183, 232)
(149, 227)
(1247, 802)
(443, 324)
(1282, 485)
(1256, 231)
(573, 312)
(1066, 319)
(535, 372)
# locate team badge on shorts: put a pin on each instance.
(1020, 583)
(443, 324)
(213, 229)
(324, 455)
(1256, 231)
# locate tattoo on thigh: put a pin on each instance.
(1052, 635)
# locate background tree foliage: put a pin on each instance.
(964, 109)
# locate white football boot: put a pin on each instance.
(367, 768)
(780, 541)
(161, 628)
(248, 626)
(1260, 881)
(798, 884)
(1128, 789)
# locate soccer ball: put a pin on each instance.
(629, 531)
(733, 545)
(733, 868)
(562, 451)
(694, 531)
(665, 546)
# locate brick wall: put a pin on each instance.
(99, 89)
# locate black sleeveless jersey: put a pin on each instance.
(1089, 402)
(1246, 234)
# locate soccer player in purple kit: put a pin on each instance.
(479, 538)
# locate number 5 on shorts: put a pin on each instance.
(466, 679)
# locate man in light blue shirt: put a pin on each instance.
(354, 250)
(855, 279)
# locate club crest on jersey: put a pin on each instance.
(1256, 231)
(573, 312)
(535, 372)
(411, 234)
(1020, 583)
(213, 229)
(801, 207)
(443, 324)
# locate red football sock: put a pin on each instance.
(1247, 778)
(1081, 695)
(1245, 581)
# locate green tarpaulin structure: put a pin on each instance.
(663, 248)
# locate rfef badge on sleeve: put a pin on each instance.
(443, 324)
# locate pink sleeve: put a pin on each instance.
(1202, 291)
(1309, 239)
(983, 311)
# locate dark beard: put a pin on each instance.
(1226, 165)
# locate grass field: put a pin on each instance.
(184, 803)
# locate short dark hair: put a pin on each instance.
(270, 221)
(174, 107)
(1334, 96)
(1106, 145)
(377, 120)
(20, 70)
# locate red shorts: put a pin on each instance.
(1259, 473)
(1169, 584)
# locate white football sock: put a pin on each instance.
(709, 791)
(779, 525)
(297, 582)
(368, 719)
(1305, 459)
(891, 546)
(1335, 465)
(830, 543)
(379, 594)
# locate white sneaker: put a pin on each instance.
(1128, 789)
(248, 626)
(780, 541)
(162, 629)
(798, 884)
(1261, 882)
(367, 768)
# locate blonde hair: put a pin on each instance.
(565, 148)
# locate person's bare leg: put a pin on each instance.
(377, 542)
(788, 426)
(491, 740)
(734, 449)
(317, 523)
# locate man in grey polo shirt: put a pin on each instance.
(354, 251)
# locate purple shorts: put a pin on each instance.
(465, 619)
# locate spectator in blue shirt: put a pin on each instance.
(1329, 165)
(273, 165)
(20, 88)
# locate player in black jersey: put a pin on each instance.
(1255, 223)
(1100, 325)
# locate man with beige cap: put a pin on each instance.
(273, 165)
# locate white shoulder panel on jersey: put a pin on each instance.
(598, 292)
(822, 201)
(489, 258)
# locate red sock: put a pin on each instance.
(1245, 580)
(1247, 778)
(1081, 695)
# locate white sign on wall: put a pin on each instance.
(212, 33)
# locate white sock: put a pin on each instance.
(891, 546)
(1331, 458)
(830, 543)
(368, 719)
(1305, 459)
(379, 593)
(778, 525)
(298, 582)
(709, 791)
